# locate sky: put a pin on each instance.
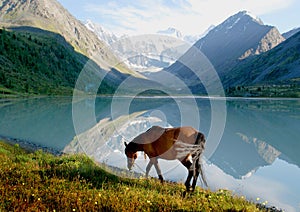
(191, 17)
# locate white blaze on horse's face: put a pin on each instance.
(131, 156)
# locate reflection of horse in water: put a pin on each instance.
(184, 143)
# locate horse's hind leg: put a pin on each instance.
(188, 180)
(196, 174)
(199, 169)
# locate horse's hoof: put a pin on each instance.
(184, 194)
(188, 188)
(161, 179)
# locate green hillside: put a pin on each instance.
(44, 182)
(39, 62)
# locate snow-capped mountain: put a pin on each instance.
(237, 38)
(103, 34)
(190, 39)
(148, 53)
(171, 32)
(145, 53)
(241, 16)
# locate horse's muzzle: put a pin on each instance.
(130, 163)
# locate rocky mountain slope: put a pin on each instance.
(49, 15)
(280, 65)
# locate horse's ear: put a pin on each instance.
(125, 144)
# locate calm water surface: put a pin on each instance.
(253, 145)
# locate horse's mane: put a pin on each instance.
(132, 147)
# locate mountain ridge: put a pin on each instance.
(36, 62)
(143, 53)
(238, 37)
(171, 31)
(235, 39)
(280, 65)
(50, 15)
(290, 33)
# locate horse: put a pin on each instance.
(182, 143)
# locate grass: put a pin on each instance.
(40, 181)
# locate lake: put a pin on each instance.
(252, 144)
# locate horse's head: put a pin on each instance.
(131, 156)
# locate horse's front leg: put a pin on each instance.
(155, 162)
(188, 163)
(150, 164)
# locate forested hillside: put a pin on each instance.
(273, 73)
(39, 62)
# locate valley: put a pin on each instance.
(249, 57)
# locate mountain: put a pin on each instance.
(148, 53)
(290, 33)
(103, 34)
(145, 53)
(192, 39)
(237, 38)
(50, 16)
(279, 66)
(39, 62)
(171, 32)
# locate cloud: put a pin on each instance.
(189, 16)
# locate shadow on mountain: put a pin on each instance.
(48, 64)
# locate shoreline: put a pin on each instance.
(29, 146)
(151, 96)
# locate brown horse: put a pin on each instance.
(183, 143)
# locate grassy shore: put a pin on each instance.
(39, 181)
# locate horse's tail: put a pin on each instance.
(200, 142)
